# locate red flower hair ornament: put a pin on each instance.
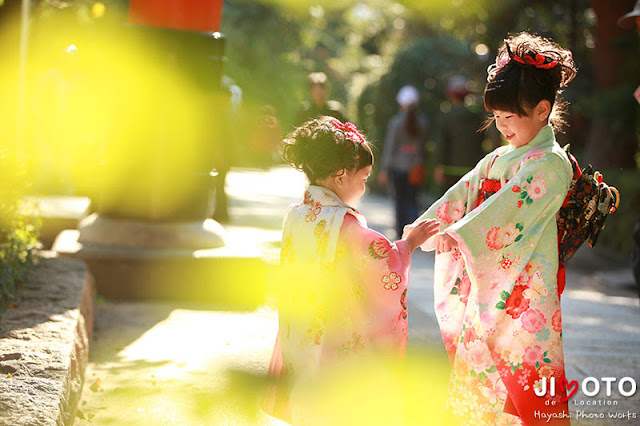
(537, 60)
(350, 131)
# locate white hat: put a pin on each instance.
(408, 95)
(628, 21)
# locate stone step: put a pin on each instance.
(231, 277)
(44, 344)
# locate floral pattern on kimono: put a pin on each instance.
(343, 294)
(496, 297)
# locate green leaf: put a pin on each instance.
(500, 305)
(530, 178)
(523, 194)
(537, 364)
(518, 238)
(519, 226)
(472, 374)
(504, 295)
(454, 290)
(528, 201)
(482, 377)
(514, 368)
(458, 281)
(547, 360)
(493, 369)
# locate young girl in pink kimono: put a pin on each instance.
(344, 286)
(497, 297)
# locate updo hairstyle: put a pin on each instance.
(528, 69)
(320, 148)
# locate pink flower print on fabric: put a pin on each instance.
(532, 355)
(533, 321)
(479, 356)
(450, 212)
(464, 288)
(391, 281)
(500, 237)
(444, 214)
(457, 210)
(493, 239)
(508, 234)
(537, 189)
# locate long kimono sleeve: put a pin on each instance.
(459, 200)
(374, 274)
(509, 247)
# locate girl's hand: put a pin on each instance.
(417, 234)
(444, 243)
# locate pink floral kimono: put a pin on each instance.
(496, 297)
(343, 295)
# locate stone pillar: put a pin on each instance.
(151, 235)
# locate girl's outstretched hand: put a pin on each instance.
(444, 243)
(417, 234)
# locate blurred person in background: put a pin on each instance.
(319, 103)
(403, 160)
(630, 21)
(459, 143)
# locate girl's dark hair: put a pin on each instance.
(320, 149)
(528, 69)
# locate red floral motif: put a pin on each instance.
(517, 304)
(556, 321)
(506, 263)
(545, 371)
(515, 188)
(533, 321)
(519, 203)
(314, 211)
(493, 239)
(536, 60)
(457, 255)
(380, 248)
(391, 281)
(350, 131)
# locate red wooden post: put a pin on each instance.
(192, 15)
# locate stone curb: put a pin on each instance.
(44, 344)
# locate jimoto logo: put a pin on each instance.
(590, 386)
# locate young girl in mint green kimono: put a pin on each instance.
(496, 292)
(344, 286)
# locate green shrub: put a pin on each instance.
(18, 231)
(615, 239)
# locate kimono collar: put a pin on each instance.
(326, 198)
(544, 136)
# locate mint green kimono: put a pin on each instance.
(496, 296)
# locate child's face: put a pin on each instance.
(518, 129)
(353, 185)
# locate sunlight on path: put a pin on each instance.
(190, 368)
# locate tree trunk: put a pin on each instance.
(612, 141)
